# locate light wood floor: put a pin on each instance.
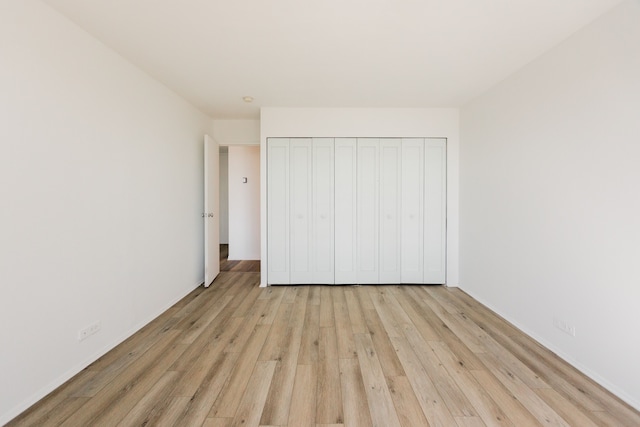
(235, 354)
(236, 266)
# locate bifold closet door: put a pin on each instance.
(435, 210)
(345, 210)
(368, 209)
(356, 210)
(412, 210)
(300, 202)
(390, 195)
(278, 211)
(322, 243)
(300, 209)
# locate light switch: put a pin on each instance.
(244, 180)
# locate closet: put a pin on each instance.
(356, 210)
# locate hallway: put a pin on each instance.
(244, 266)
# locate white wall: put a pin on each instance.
(369, 122)
(228, 132)
(236, 132)
(244, 203)
(101, 187)
(224, 195)
(550, 199)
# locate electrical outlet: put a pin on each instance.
(89, 330)
(564, 326)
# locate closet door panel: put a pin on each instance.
(300, 199)
(322, 246)
(367, 224)
(278, 210)
(412, 210)
(390, 170)
(345, 210)
(435, 211)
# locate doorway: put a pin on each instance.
(240, 207)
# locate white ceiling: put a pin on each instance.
(329, 53)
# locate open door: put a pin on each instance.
(211, 210)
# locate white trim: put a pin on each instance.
(53, 385)
(619, 393)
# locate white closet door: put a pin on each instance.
(345, 210)
(278, 211)
(412, 210)
(322, 245)
(390, 170)
(367, 224)
(435, 211)
(300, 199)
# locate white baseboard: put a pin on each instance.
(621, 394)
(27, 403)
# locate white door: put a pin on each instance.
(211, 210)
(300, 178)
(322, 243)
(435, 211)
(368, 208)
(390, 169)
(378, 204)
(278, 211)
(345, 210)
(412, 210)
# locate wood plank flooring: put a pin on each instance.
(235, 354)
(235, 265)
